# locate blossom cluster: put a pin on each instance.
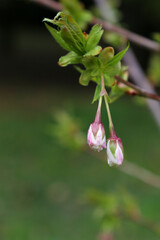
(97, 140)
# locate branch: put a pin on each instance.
(142, 221)
(135, 70)
(132, 169)
(49, 3)
(133, 37)
(141, 173)
(139, 91)
(137, 74)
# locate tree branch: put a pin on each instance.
(135, 70)
(131, 169)
(137, 74)
(139, 91)
(49, 4)
(133, 37)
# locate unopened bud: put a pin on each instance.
(96, 136)
(114, 151)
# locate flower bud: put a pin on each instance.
(96, 136)
(114, 151)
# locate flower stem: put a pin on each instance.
(109, 114)
(111, 127)
(98, 114)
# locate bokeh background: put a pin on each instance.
(42, 182)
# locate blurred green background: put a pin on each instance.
(42, 183)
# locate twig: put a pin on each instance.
(144, 222)
(131, 169)
(133, 37)
(139, 40)
(139, 91)
(138, 76)
(135, 70)
(49, 3)
(141, 173)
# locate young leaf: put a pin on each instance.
(94, 37)
(85, 78)
(69, 37)
(57, 36)
(80, 70)
(70, 32)
(115, 93)
(113, 70)
(69, 58)
(95, 51)
(108, 81)
(97, 93)
(90, 62)
(96, 72)
(106, 54)
(117, 58)
(75, 29)
(156, 36)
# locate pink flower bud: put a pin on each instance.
(96, 136)
(114, 151)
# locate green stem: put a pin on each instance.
(111, 127)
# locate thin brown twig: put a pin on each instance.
(139, 91)
(133, 37)
(136, 38)
(135, 70)
(50, 4)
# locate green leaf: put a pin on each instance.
(70, 32)
(90, 62)
(156, 36)
(57, 36)
(96, 72)
(85, 78)
(94, 37)
(113, 70)
(75, 29)
(154, 69)
(95, 51)
(69, 37)
(97, 93)
(80, 70)
(108, 81)
(70, 58)
(117, 58)
(116, 93)
(106, 54)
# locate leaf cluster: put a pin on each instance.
(84, 49)
(112, 208)
(70, 136)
